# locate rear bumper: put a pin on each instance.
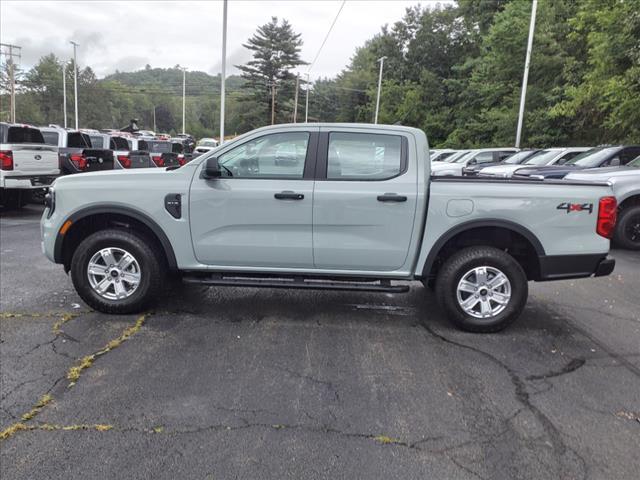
(28, 181)
(557, 267)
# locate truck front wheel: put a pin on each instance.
(482, 289)
(115, 271)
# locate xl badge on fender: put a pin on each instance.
(576, 207)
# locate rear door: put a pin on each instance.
(364, 200)
(259, 214)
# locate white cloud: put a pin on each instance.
(127, 35)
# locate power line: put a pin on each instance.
(327, 35)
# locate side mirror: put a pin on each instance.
(212, 169)
(473, 162)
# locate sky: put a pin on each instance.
(127, 35)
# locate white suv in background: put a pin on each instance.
(26, 163)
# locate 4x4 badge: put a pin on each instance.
(576, 207)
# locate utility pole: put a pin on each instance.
(224, 69)
(525, 77)
(273, 102)
(184, 97)
(295, 102)
(306, 103)
(75, 78)
(64, 93)
(12, 77)
(381, 60)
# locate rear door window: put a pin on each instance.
(364, 156)
(24, 135)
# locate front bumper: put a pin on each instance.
(558, 267)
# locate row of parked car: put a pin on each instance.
(32, 157)
(617, 165)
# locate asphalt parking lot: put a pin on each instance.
(247, 383)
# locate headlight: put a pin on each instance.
(50, 201)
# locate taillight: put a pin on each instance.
(159, 161)
(78, 160)
(6, 160)
(181, 160)
(125, 161)
(607, 214)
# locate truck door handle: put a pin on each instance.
(288, 195)
(392, 197)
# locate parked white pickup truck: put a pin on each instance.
(352, 208)
(26, 163)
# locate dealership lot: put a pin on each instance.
(227, 382)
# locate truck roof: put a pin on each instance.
(375, 126)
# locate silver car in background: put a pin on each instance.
(549, 156)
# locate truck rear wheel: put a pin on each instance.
(482, 289)
(627, 233)
(115, 271)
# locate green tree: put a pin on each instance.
(276, 52)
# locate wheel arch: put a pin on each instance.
(490, 232)
(97, 217)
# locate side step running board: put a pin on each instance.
(235, 280)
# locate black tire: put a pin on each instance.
(627, 234)
(152, 271)
(459, 264)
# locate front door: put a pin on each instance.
(259, 213)
(364, 201)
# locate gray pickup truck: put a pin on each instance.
(355, 209)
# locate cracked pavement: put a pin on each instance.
(237, 383)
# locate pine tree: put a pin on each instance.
(276, 51)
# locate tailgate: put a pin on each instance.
(34, 159)
(98, 159)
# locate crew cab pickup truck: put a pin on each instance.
(76, 154)
(357, 211)
(26, 163)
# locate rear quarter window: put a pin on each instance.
(24, 135)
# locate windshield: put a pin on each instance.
(96, 141)
(517, 157)
(456, 155)
(207, 143)
(592, 158)
(543, 157)
(464, 157)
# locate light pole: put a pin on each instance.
(64, 92)
(306, 103)
(295, 102)
(184, 97)
(224, 69)
(525, 77)
(154, 119)
(75, 79)
(381, 60)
